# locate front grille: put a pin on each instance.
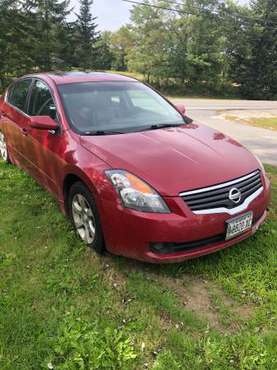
(218, 196)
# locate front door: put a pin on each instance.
(45, 147)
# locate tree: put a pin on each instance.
(49, 16)
(66, 43)
(87, 36)
(188, 46)
(104, 58)
(206, 46)
(255, 61)
(149, 52)
(35, 36)
(121, 43)
(15, 39)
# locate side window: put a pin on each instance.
(18, 93)
(41, 101)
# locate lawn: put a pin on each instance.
(268, 123)
(62, 307)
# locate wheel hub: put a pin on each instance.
(3, 147)
(83, 218)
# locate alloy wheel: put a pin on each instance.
(83, 218)
(3, 147)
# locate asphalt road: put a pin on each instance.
(260, 141)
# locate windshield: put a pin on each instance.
(97, 107)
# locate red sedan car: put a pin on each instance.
(136, 176)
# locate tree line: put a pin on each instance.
(204, 46)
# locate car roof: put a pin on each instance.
(61, 77)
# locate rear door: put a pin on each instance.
(16, 120)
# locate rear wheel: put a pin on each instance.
(85, 218)
(4, 155)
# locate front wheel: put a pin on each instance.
(4, 155)
(85, 218)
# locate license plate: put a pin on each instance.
(239, 225)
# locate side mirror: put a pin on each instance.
(43, 123)
(180, 108)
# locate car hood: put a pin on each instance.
(176, 159)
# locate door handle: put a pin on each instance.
(25, 131)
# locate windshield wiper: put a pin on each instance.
(111, 132)
(165, 125)
(102, 133)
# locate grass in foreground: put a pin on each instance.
(268, 123)
(62, 307)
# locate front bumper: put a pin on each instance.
(132, 234)
(204, 250)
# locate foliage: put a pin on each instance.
(36, 35)
(86, 36)
(198, 49)
(194, 50)
(255, 52)
(179, 47)
(82, 344)
(104, 56)
(122, 42)
(246, 352)
(15, 39)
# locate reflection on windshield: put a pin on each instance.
(116, 106)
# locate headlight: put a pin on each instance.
(261, 165)
(135, 193)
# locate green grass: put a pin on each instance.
(268, 123)
(61, 306)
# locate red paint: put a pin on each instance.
(181, 108)
(43, 123)
(171, 160)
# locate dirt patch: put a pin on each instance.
(244, 311)
(106, 268)
(202, 297)
(165, 317)
(198, 301)
(115, 278)
(194, 295)
(197, 294)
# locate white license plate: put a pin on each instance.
(239, 225)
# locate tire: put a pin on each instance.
(85, 217)
(4, 155)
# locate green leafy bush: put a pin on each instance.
(247, 352)
(86, 345)
(166, 360)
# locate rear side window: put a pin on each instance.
(18, 93)
(41, 101)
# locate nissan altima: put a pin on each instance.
(135, 175)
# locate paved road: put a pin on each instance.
(260, 141)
